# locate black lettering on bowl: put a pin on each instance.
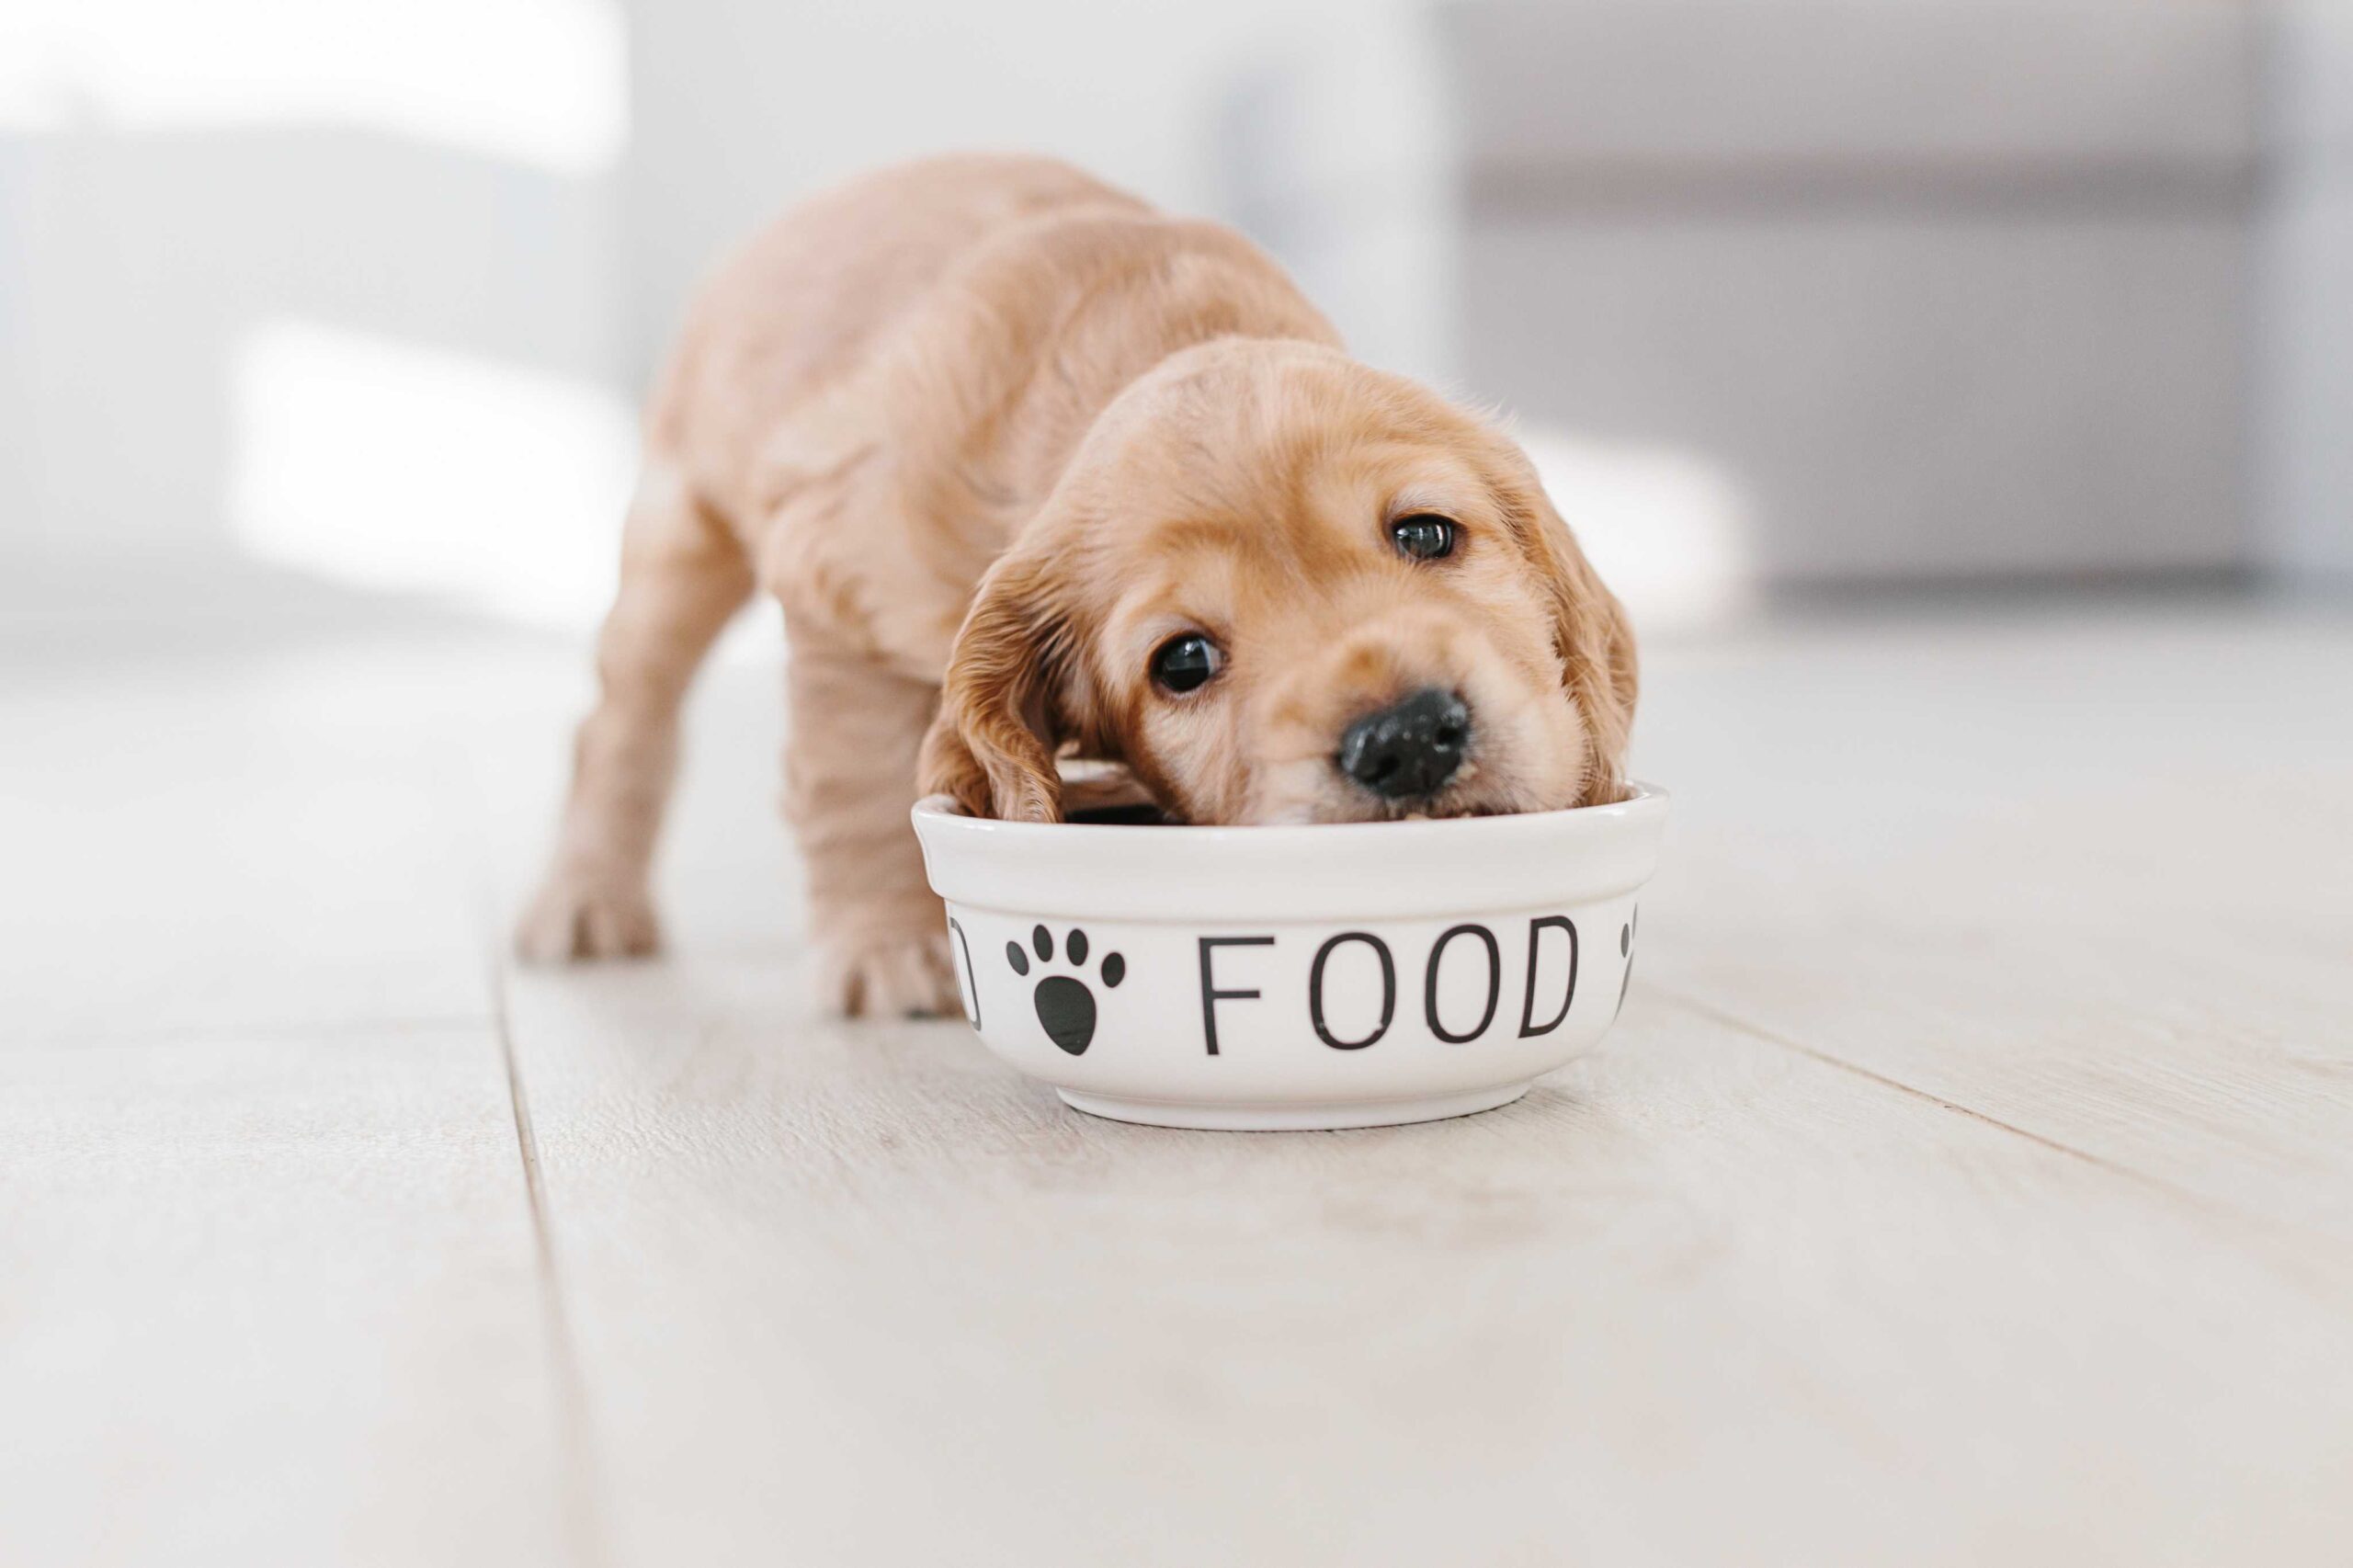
(1626, 947)
(1494, 984)
(1387, 990)
(1536, 929)
(1211, 994)
(968, 985)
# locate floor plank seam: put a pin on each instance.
(579, 1452)
(2290, 1248)
(1733, 1021)
(324, 1031)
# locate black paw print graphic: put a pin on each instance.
(1626, 950)
(1065, 1006)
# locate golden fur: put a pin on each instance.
(991, 432)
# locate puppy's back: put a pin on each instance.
(798, 308)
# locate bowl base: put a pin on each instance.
(1302, 1116)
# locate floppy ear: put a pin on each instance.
(1592, 635)
(992, 745)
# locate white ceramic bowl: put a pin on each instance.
(1343, 975)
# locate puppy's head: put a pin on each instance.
(1282, 587)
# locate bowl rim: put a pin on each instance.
(1316, 871)
(1643, 799)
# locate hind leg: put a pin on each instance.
(683, 575)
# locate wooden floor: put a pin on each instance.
(1969, 1181)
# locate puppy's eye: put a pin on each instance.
(1185, 663)
(1424, 536)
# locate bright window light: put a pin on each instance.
(537, 82)
(390, 467)
(1666, 529)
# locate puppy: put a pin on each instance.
(1036, 471)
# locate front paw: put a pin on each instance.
(580, 914)
(887, 977)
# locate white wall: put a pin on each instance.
(179, 184)
(739, 107)
(20, 481)
(142, 265)
(495, 186)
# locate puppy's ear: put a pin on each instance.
(1591, 633)
(993, 744)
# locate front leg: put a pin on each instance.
(683, 575)
(849, 782)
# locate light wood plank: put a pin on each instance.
(1739, 1289)
(2183, 1023)
(2114, 915)
(236, 840)
(270, 1286)
(857, 1295)
(271, 1299)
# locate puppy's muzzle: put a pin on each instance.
(1407, 751)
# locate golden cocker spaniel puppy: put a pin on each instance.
(1037, 472)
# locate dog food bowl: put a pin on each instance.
(1265, 978)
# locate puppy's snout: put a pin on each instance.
(1408, 750)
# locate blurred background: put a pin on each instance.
(317, 302)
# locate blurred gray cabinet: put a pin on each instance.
(2304, 299)
(1942, 289)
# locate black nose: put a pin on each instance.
(1410, 749)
